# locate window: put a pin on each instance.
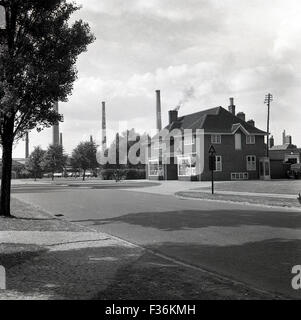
(250, 139)
(189, 140)
(216, 139)
(251, 163)
(239, 176)
(187, 166)
(154, 168)
(237, 141)
(218, 163)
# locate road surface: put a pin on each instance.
(252, 244)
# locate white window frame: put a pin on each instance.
(251, 163)
(218, 164)
(216, 139)
(237, 176)
(189, 140)
(250, 139)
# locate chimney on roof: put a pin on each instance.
(241, 116)
(251, 122)
(158, 110)
(232, 106)
(173, 116)
(272, 142)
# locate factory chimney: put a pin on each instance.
(56, 128)
(61, 139)
(158, 110)
(104, 127)
(26, 145)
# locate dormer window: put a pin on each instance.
(250, 139)
(216, 139)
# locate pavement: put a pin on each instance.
(250, 245)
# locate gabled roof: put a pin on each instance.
(214, 120)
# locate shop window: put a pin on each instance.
(187, 166)
(154, 168)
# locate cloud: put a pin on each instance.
(220, 48)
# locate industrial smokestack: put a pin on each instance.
(158, 110)
(26, 145)
(104, 127)
(56, 128)
(61, 139)
(232, 106)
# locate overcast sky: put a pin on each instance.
(211, 49)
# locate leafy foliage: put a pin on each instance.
(37, 60)
(35, 162)
(54, 160)
(38, 52)
(84, 157)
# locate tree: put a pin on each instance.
(120, 156)
(84, 157)
(38, 52)
(35, 162)
(54, 159)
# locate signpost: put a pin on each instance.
(212, 165)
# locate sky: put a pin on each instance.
(198, 52)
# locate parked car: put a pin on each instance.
(296, 170)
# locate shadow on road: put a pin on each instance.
(191, 219)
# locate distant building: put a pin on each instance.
(283, 156)
(238, 143)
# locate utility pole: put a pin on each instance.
(268, 99)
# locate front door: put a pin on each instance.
(264, 169)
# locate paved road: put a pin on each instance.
(254, 245)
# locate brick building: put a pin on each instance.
(238, 143)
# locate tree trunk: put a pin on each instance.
(7, 146)
(84, 175)
(52, 177)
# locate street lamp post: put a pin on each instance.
(268, 99)
(212, 165)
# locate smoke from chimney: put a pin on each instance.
(187, 95)
(158, 110)
(104, 127)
